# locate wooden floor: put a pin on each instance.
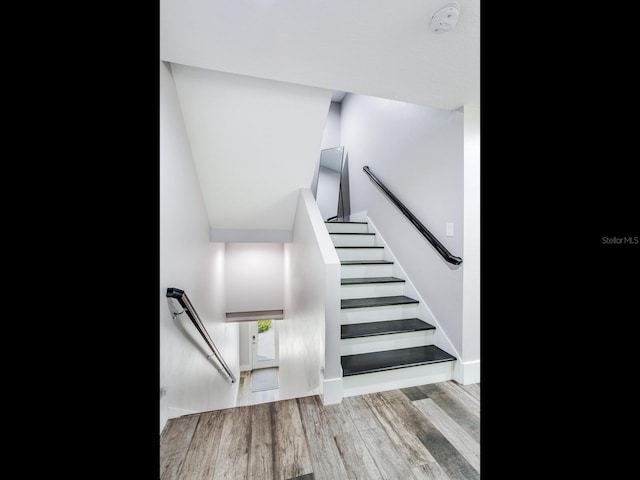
(426, 432)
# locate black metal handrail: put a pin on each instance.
(442, 250)
(189, 309)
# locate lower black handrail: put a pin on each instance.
(189, 309)
(441, 249)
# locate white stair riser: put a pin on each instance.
(398, 378)
(347, 227)
(371, 290)
(373, 270)
(353, 240)
(379, 343)
(373, 314)
(360, 253)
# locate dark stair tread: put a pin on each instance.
(366, 262)
(359, 247)
(393, 359)
(365, 280)
(359, 223)
(386, 327)
(376, 301)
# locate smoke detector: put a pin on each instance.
(446, 18)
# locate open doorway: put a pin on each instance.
(259, 353)
(264, 344)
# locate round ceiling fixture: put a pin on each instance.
(445, 18)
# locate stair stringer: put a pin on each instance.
(440, 338)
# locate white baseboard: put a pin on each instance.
(179, 412)
(331, 391)
(468, 372)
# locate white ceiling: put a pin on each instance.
(381, 48)
(255, 143)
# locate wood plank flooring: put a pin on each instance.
(426, 432)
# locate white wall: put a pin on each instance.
(255, 276)
(417, 152)
(471, 251)
(255, 143)
(331, 134)
(312, 295)
(188, 261)
(330, 139)
(245, 346)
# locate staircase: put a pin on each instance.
(384, 343)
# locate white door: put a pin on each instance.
(264, 344)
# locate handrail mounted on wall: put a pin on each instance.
(181, 297)
(440, 248)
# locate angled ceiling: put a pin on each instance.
(381, 48)
(255, 143)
